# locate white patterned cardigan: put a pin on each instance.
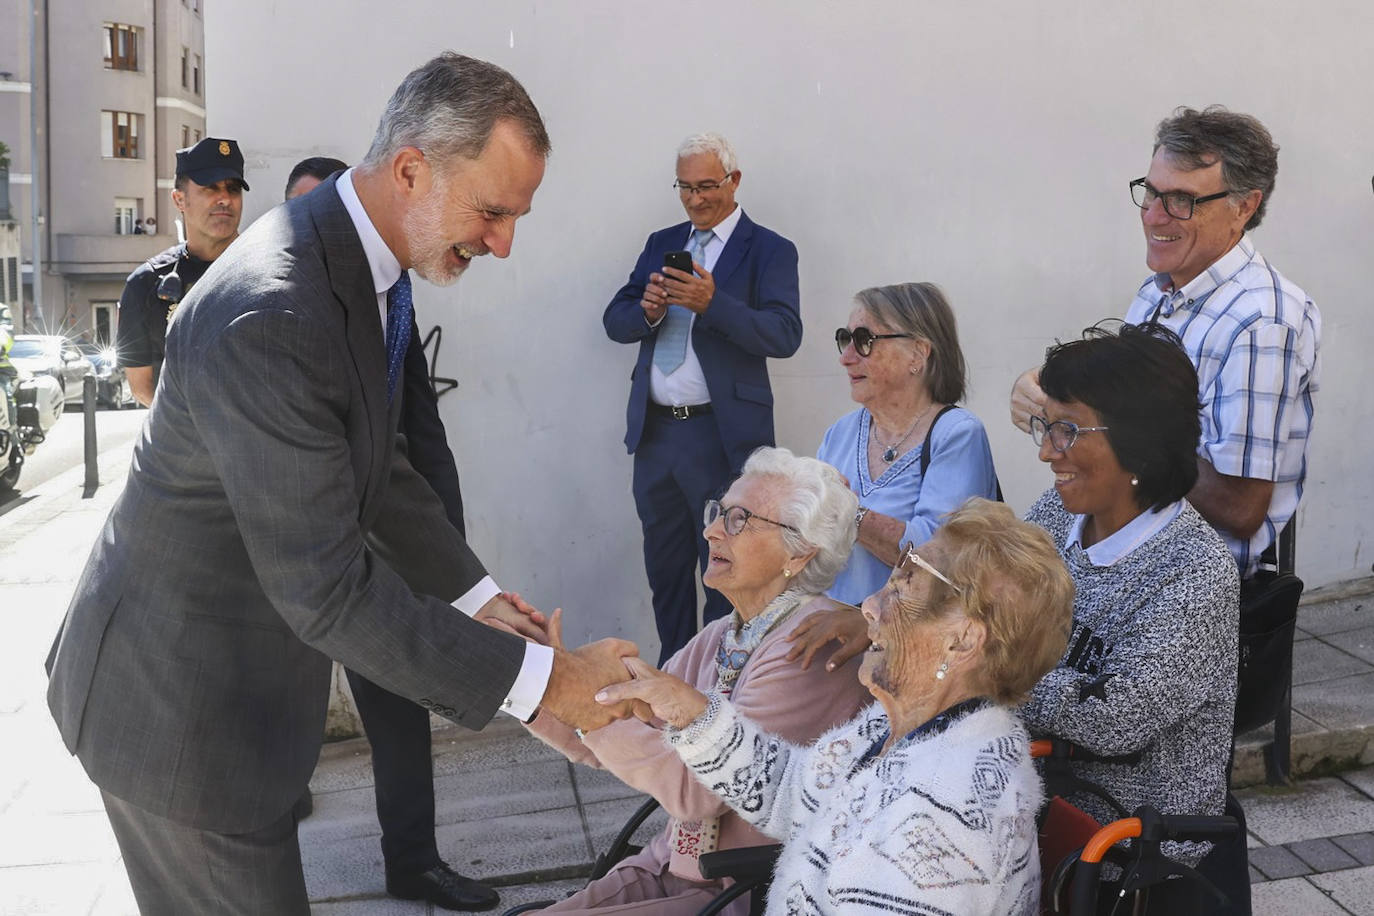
(943, 823)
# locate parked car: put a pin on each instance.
(111, 384)
(53, 355)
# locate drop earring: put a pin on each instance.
(942, 671)
(1135, 481)
(786, 573)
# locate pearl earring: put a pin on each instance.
(1135, 481)
(942, 671)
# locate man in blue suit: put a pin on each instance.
(700, 400)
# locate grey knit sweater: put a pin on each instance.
(1150, 666)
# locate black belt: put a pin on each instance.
(685, 412)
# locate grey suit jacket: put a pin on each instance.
(269, 523)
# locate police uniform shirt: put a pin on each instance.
(143, 317)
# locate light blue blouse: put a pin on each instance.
(960, 467)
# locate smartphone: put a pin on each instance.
(682, 260)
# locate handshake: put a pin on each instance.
(578, 674)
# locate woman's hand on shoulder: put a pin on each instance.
(842, 623)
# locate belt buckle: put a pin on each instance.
(681, 412)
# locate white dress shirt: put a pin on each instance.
(687, 383)
(528, 689)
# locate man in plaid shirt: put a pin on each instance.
(1252, 333)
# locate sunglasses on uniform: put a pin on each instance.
(862, 339)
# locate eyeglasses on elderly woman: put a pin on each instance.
(1062, 433)
(736, 517)
(909, 555)
(862, 338)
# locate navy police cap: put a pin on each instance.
(210, 161)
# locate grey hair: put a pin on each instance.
(710, 143)
(814, 499)
(921, 309)
(1249, 158)
(449, 107)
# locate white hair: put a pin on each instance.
(710, 143)
(813, 498)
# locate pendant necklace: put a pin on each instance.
(890, 451)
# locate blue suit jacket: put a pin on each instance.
(755, 314)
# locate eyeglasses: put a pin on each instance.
(736, 517)
(1178, 204)
(1062, 433)
(909, 555)
(862, 338)
(705, 187)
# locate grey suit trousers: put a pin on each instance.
(176, 869)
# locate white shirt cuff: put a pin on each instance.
(471, 601)
(654, 324)
(523, 700)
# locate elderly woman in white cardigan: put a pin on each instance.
(927, 800)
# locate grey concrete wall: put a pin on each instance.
(986, 147)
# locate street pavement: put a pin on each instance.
(513, 812)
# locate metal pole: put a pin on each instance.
(88, 408)
(35, 156)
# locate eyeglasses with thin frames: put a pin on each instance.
(862, 338)
(705, 187)
(1062, 433)
(735, 517)
(909, 555)
(1178, 204)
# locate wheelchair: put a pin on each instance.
(1073, 850)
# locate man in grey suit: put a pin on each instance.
(270, 521)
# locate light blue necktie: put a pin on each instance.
(671, 347)
(400, 309)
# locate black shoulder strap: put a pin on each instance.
(925, 451)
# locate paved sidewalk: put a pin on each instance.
(515, 813)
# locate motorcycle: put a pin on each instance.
(25, 419)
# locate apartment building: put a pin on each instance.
(119, 86)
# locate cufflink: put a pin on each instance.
(506, 703)
(581, 735)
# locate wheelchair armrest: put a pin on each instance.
(744, 863)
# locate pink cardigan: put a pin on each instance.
(777, 694)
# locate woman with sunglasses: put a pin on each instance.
(926, 801)
(1149, 678)
(909, 454)
(777, 537)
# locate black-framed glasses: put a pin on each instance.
(735, 517)
(862, 339)
(1062, 434)
(1178, 204)
(704, 187)
(909, 555)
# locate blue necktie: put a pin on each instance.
(400, 309)
(671, 347)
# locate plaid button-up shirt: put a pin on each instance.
(1254, 337)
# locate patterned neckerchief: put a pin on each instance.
(742, 637)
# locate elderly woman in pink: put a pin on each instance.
(777, 538)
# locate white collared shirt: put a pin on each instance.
(1120, 543)
(687, 383)
(528, 689)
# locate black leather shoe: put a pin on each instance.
(443, 887)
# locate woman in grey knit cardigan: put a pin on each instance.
(1149, 675)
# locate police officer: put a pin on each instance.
(209, 193)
